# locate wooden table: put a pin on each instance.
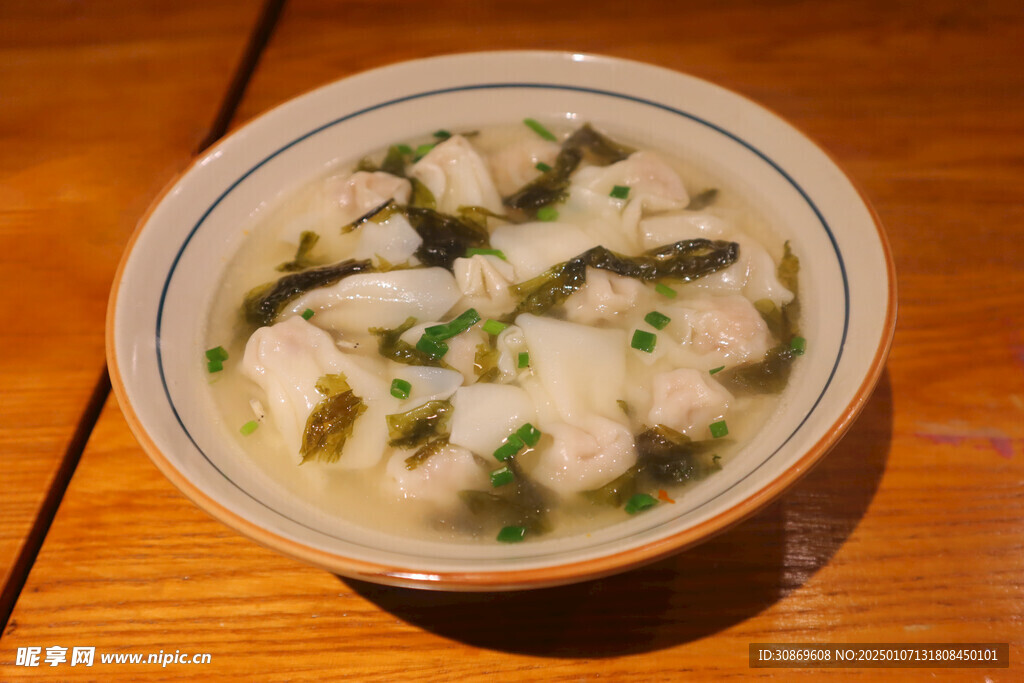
(911, 530)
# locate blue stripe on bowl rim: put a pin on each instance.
(505, 86)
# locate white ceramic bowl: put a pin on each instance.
(171, 268)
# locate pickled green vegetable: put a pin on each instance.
(552, 186)
(425, 452)
(519, 503)
(771, 373)
(307, 241)
(668, 457)
(685, 261)
(390, 345)
(331, 422)
(264, 303)
(417, 426)
(702, 200)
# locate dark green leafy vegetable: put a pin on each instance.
(686, 260)
(390, 345)
(331, 422)
(485, 362)
(702, 200)
(394, 161)
(550, 288)
(521, 503)
(421, 195)
(478, 215)
(417, 426)
(771, 373)
(617, 491)
(377, 214)
(425, 452)
(669, 457)
(445, 238)
(767, 376)
(552, 185)
(264, 303)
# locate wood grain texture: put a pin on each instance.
(911, 530)
(100, 104)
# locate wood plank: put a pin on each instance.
(909, 531)
(101, 104)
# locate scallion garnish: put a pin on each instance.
(798, 345)
(718, 429)
(475, 251)
(307, 314)
(423, 149)
(540, 130)
(714, 370)
(214, 366)
(513, 444)
(400, 388)
(217, 353)
(547, 213)
(512, 534)
(249, 427)
(529, 434)
(404, 149)
(643, 341)
(542, 167)
(657, 320)
(502, 476)
(442, 134)
(435, 348)
(665, 291)
(619, 192)
(640, 501)
(494, 327)
(453, 327)
(524, 360)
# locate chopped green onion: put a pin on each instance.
(404, 149)
(643, 341)
(474, 251)
(547, 213)
(307, 314)
(435, 348)
(657, 320)
(665, 291)
(798, 345)
(214, 365)
(400, 388)
(524, 360)
(494, 326)
(640, 501)
(714, 370)
(453, 327)
(217, 353)
(529, 434)
(619, 192)
(512, 534)
(502, 476)
(540, 130)
(718, 429)
(542, 167)
(423, 149)
(442, 134)
(249, 427)
(513, 444)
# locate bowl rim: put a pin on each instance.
(526, 578)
